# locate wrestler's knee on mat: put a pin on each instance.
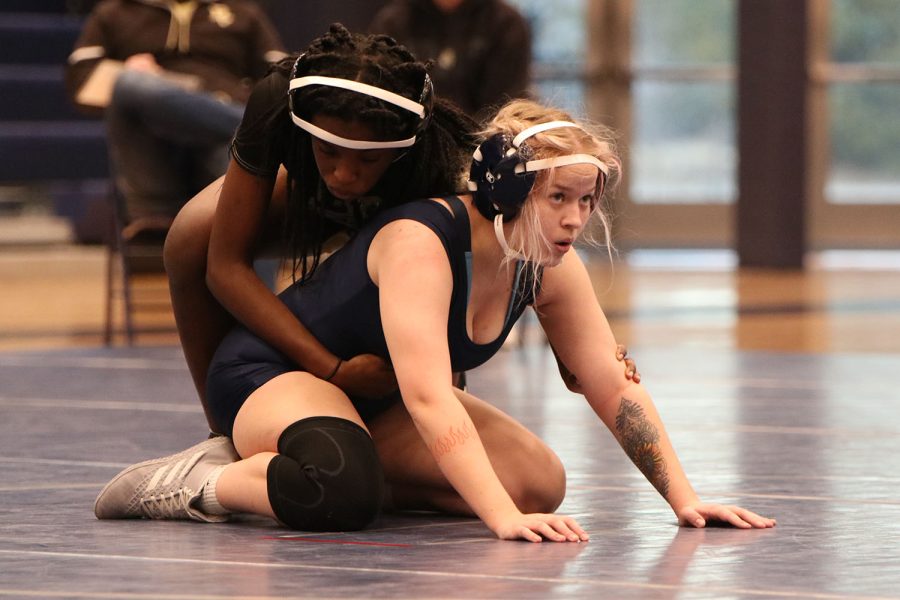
(537, 484)
(327, 476)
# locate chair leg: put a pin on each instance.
(129, 241)
(113, 254)
(127, 299)
(119, 244)
(110, 292)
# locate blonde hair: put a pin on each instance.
(595, 140)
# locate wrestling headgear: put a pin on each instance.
(422, 108)
(502, 176)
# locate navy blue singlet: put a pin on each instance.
(340, 307)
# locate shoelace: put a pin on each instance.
(167, 506)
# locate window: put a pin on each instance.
(558, 49)
(662, 73)
(855, 95)
(683, 141)
(864, 103)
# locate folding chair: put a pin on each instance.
(135, 247)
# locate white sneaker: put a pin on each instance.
(166, 488)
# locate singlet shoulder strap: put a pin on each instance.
(463, 235)
(456, 205)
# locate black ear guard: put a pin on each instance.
(498, 188)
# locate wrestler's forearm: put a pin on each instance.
(634, 421)
(457, 448)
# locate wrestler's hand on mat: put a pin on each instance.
(698, 515)
(366, 376)
(536, 527)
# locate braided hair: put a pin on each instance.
(433, 166)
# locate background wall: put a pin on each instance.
(301, 22)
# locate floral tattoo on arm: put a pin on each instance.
(640, 440)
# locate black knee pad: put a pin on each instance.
(327, 476)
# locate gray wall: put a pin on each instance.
(301, 21)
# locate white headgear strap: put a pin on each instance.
(556, 161)
(501, 238)
(362, 88)
(536, 129)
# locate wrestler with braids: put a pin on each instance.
(290, 190)
(435, 162)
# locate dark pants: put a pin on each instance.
(166, 143)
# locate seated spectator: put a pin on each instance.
(481, 48)
(172, 78)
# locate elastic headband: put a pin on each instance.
(556, 161)
(548, 163)
(540, 127)
(362, 88)
(562, 161)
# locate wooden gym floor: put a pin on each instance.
(779, 390)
